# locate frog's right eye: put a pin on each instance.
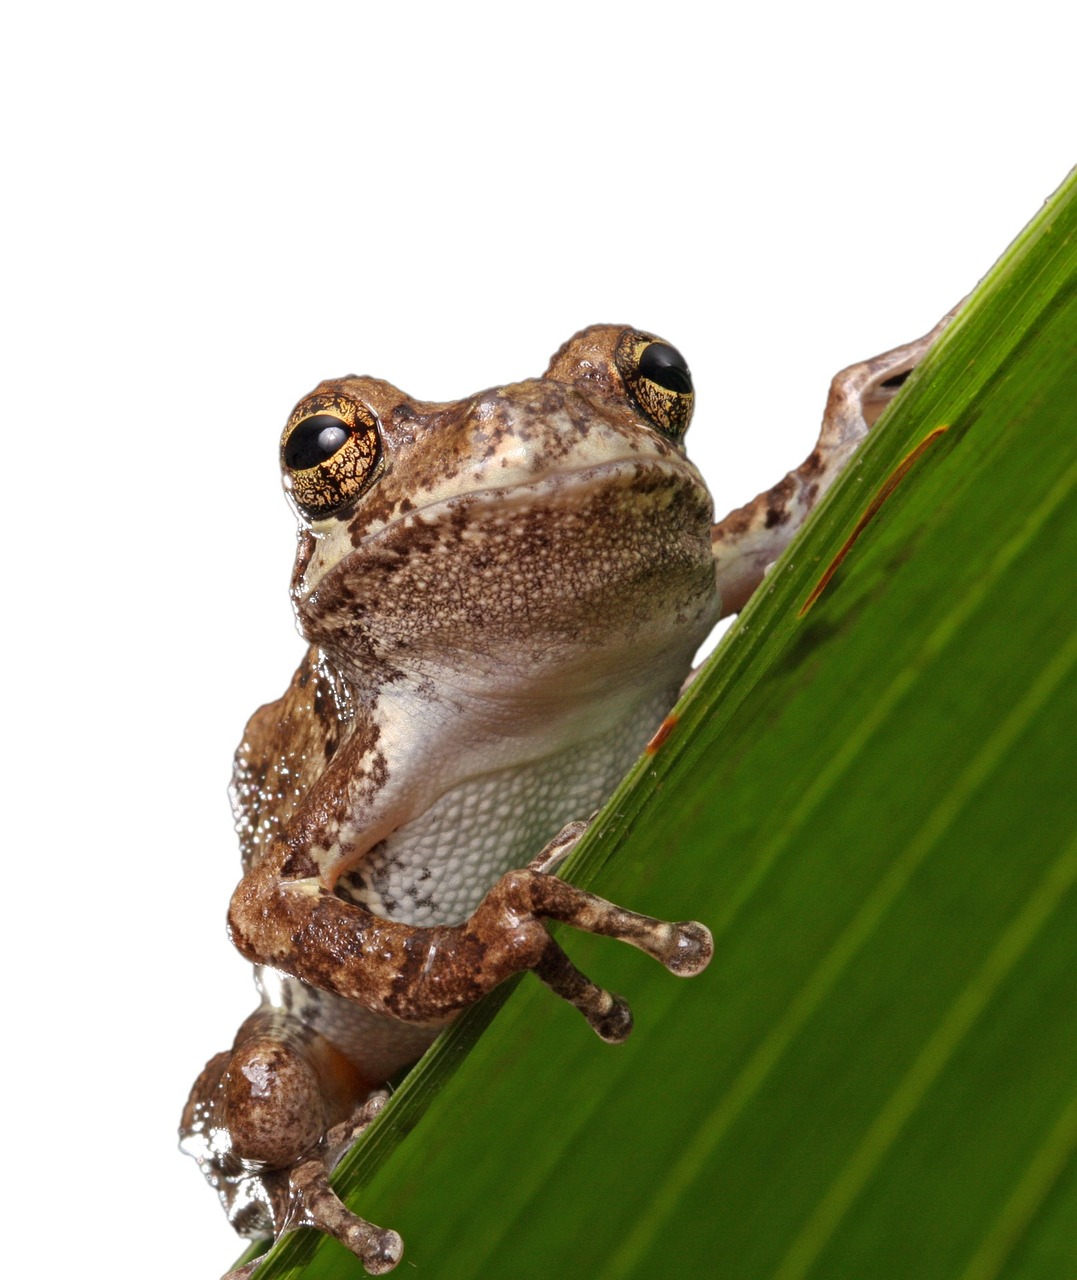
(330, 453)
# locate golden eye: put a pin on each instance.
(330, 453)
(658, 381)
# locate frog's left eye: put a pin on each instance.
(329, 453)
(657, 378)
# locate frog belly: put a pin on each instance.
(437, 868)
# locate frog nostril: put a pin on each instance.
(315, 441)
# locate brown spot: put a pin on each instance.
(778, 502)
(298, 865)
(813, 463)
(662, 733)
(734, 524)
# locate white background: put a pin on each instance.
(211, 207)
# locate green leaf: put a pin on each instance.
(873, 804)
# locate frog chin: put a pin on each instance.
(328, 545)
(570, 585)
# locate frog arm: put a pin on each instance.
(752, 537)
(427, 975)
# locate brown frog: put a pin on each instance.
(502, 597)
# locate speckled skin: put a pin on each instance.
(500, 612)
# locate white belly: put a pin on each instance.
(436, 868)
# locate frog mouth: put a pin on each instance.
(648, 475)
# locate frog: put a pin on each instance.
(501, 598)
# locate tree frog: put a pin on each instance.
(502, 597)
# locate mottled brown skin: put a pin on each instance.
(502, 596)
(751, 537)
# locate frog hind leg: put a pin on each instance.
(313, 1203)
(268, 1121)
(317, 1204)
(751, 538)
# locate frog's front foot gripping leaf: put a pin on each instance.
(684, 947)
(523, 899)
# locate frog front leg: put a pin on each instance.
(751, 538)
(428, 975)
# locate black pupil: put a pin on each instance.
(665, 365)
(313, 441)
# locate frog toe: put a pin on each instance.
(609, 1015)
(690, 949)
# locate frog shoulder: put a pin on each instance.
(285, 749)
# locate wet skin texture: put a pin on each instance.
(502, 596)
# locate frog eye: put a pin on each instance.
(658, 381)
(329, 452)
(314, 441)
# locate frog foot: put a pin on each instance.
(522, 900)
(378, 1249)
(312, 1202)
(317, 1204)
